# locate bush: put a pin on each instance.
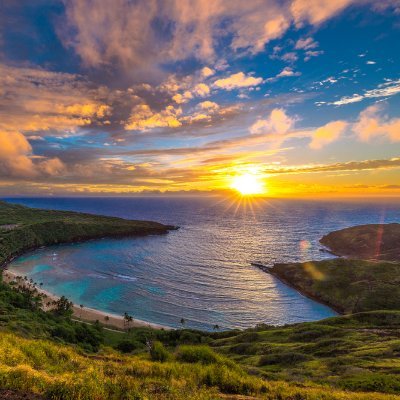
(158, 352)
(231, 381)
(127, 346)
(244, 348)
(194, 354)
(283, 358)
(247, 337)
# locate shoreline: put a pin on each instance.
(88, 314)
(271, 271)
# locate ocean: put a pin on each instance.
(202, 272)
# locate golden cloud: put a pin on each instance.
(238, 80)
(327, 134)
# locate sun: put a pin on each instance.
(247, 184)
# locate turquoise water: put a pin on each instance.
(203, 271)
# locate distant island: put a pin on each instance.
(366, 242)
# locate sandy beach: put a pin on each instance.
(87, 314)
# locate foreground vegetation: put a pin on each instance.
(47, 355)
(61, 372)
(359, 352)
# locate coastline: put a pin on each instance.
(87, 314)
(305, 293)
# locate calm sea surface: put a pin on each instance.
(203, 271)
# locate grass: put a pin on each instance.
(359, 352)
(63, 372)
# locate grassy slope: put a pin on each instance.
(23, 228)
(375, 241)
(346, 285)
(190, 372)
(355, 352)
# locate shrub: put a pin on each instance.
(158, 352)
(247, 337)
(194, 354)
(230, 381)
(283, 358)
(127, 346)
(244, 348)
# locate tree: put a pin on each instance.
(63, 307)
(216, 327)
(80, 315)
(183, 322)
(127, 320)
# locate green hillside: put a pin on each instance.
(373, 241)
(344, 284)
(23, 228)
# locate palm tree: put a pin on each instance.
(80, 315)
(130, 319)
(127, 319)
(183, 322)
(216, 327)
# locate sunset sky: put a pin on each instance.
(118, 97)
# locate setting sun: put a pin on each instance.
(247, 184)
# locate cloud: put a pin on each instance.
(386, 89)
(38, 100)
(124, 32)
(372, 123)
(143, 118)
(277, 122)
(16, 158)
(201, 89)
(327, 134)
(238, 80)
(344, 166)
(259, 24)
(309, 54)
(207, 72)
(306, 44)
(104, 33)
(317, 11)
(14, 154)
(182, 98)
(287, 71)
(208, 105)
(290, 57)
